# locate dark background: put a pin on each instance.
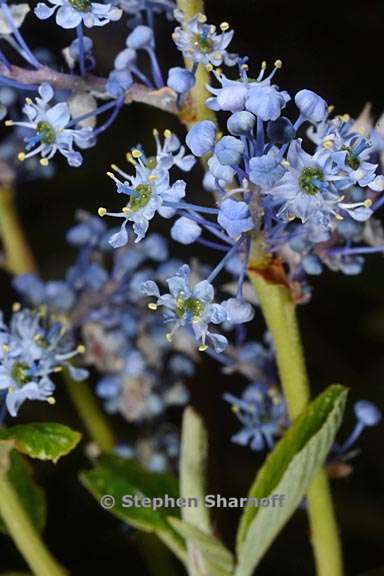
(334, 48)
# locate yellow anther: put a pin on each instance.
(235, 409)
(263, 65)
(152, 306)
(167, 133)
(328, 144)
(224, 26)
(5, 348)
(152, 177)
(203, 348)
(29, 101)
(58, 369)
(368, 203)
(16, 306)
(155, 132)
(80, 349)
(331, 108)
(111, 175)
(278, 64)
(202, 18)
(125, 210)
(169, 337)
(339, 217)
(8, 123)
(51, 400)
(285, 163)
(136, 153)
(345, 117)
(21, 156)
(130, 159)
(114, 167)
(212, 28)
(245, 67)
(44, 161)
(209, 67)
(102, 211)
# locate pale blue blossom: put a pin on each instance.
(71, 13)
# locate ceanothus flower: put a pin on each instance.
(193, 306)
(266, 101)
(259, 96)
(199, 42)
(241, 123)
(149, 190)
(262, 413)
(185, 230)
(229, 150)
(266, 170)
(234, 217)
(71, 13)
(31, 350)
(51, 130)
(120, 78)
(180, 79)
(201, 137)
(308, 187)
(312, 106)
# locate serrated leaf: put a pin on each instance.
(118, 477)
(42, 440)
(288, 470)
(218, 559)
(20, 475)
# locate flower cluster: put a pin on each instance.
(141, 374)
(32, 348)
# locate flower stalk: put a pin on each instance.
(18, 256)
(90, 413)
(22, 531)
(280, 315)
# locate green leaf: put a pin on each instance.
(117, 477)
(20, 475)
(288, 470)
(42, 440)
(218, 561)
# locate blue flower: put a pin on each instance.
(308, 187)
(189, 306)
(280, 131)
(180, 79)
(234, 217)
(201, 137)
(31, 350)
(51, 132)
(71, 13)
(241, 123)
(229, 151)
(149, 191)
(199, 42)
(141, 37)
(262, 413)
(266, 170)
(311, 105)
(266, 101)
(185, 231)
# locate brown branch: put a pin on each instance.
(164, 99)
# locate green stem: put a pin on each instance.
(90, 413)
(19, 258)
(24, 534)
(195, 109)
(280, 314)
